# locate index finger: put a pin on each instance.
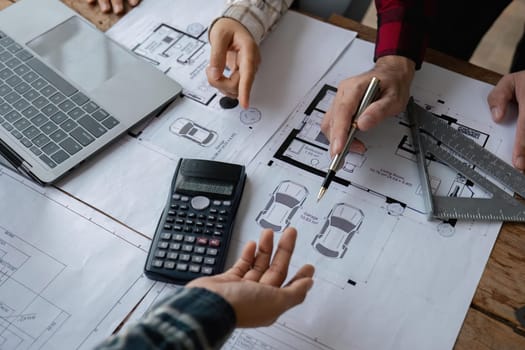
(247, 67)
(278, 270)
(343, 108)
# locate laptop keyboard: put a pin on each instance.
(45, 113)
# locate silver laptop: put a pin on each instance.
(66, 90)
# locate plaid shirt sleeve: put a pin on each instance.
(193, 318)
(258, 16)
(403, 28)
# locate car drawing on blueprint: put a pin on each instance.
(192, 131)
(342, 223)
(286, 199)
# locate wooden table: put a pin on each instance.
(491, 322)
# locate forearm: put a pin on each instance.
(193, 318)
(403, 28)
(257, 16)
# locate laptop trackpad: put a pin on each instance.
(81, 53)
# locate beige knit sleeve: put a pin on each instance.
(258, 16)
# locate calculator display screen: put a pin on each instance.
(204, 185)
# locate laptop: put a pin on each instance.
(67, 90)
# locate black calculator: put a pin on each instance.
(194, 231)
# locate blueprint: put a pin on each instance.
(60, 285)
(191, 127)
(386, 278)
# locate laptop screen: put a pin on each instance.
(80, 52)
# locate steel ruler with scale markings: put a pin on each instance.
(431, 135)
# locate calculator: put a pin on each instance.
(194, 230)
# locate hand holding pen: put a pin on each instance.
(369, 96)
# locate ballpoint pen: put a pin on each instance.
(369, 96)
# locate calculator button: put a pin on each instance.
(200, 250)
(182, 214)
(227, 203)
(187, 248)
(206, 270)
(170, 265)
(209, 261)
(170, 219)
(175, 246)
(167, 227)
(223, 212)
(172, 212)
(197, 259)
(195, 268)
(177, 228)
(182, 267)
(217, 233)
(165, 235)
(197, 230)
(219, 226)
(188, 229)
(189, 239)
(176, 197)
(200, 202)
(163, 245)
(160, 254)
(221, 219)
(202, 216)
(212, 251)
(184, 199)
(157, 263)
(202, 241)
(211, 218)
(178, 237)
(189, 222)
(217, 202)
(192, 215)
(183, 207)
(179, 221)
(215, 242)
(213, 211)
(184, 257)
(172, 255)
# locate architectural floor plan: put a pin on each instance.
(50, 243)
(380, 264)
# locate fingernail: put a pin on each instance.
(519, 163)
(362, 122)
(310, 284)
(215, 73)
(335, 146)
(117, 9)
(495, 113)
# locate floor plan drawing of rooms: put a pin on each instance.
(25, 316)
(59, 287)
(307, 148)
(184, 55)
(377, 257)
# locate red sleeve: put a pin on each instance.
(403, 28)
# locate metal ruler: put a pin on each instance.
(429, 135)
